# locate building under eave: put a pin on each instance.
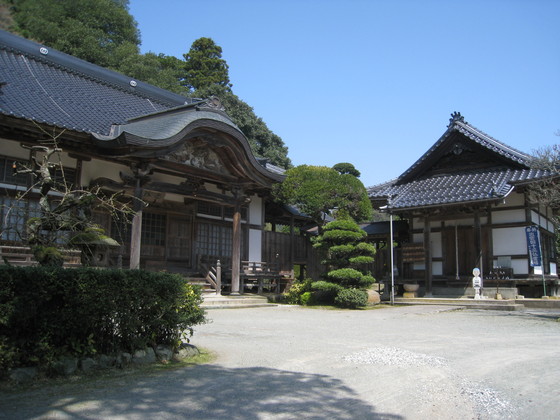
(467, 207)
(203, 190)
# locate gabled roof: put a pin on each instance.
(119, 116)
(459, 133)
(464, 166)
(51, 87)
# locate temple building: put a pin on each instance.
(467, 206)
(199, 192)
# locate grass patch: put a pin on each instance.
(105, 376)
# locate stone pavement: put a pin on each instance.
(285, 362)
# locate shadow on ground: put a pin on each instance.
(200, 392)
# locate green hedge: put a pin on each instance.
(351, 298)
(47, 312)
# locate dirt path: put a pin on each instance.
(291, 362)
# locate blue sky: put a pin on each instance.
(374, 82)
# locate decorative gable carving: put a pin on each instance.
(199, 156)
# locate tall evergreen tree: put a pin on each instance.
(104, 33)
(205, 66)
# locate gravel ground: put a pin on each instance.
(286, 362)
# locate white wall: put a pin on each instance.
(94, 169)
(255, 245)
(508, 216)
(436, 245)
(509, 241)
(13, 149)
(520, 266)
(256, 211)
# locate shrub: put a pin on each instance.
(297, 288)
(342, 236)
(306, 299)
(351, 298)
(324, 292)
(361, 259)
(345, 276)
(46, 312)
(365, 248)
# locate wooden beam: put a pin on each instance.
(236, 250)
(427, 256)
(136, 231)
(478, 242)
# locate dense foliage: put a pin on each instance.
(319, 191)
(346, 168)
(104, 33)
(347, 257)
(46, 313)
(264, 143)
(97, 31)
(205, 66)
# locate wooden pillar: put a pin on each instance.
(478, 242)
(136, 231)
(236, 250)
(428, 257)
(490, 235)
(292, 244)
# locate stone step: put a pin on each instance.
(213, 301)
(490, 304)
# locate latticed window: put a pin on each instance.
(7, 175)
(219, 212)
(14, 215)
(153, 229)
(121, 231)
(62, 177)
(214, 240)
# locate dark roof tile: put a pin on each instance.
(483, 185)
(64, 91)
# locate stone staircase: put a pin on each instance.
(490, 304)
(213, 301)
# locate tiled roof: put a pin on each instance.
(459, 125)
(164, 128)
(476, 186)
(417, 187)
(50, 87)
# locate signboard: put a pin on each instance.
(413, 252)
(533, 245)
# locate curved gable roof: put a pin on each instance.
(46, 86)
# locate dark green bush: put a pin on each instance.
(324, 292)
(342, 236)
(46, 312)
(361, 259)
(351, 298)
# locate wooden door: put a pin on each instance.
(179, 240)
(460, 250)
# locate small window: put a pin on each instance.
(153, 229)
(7, 175)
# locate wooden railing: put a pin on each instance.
(23, 256)
(264, 275)
(213, 275)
